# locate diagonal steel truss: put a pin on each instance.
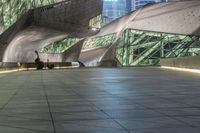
(11, 10)
(146, 48)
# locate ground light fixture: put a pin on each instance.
(182, 69)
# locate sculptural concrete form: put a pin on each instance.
(42, 26)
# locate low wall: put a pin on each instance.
(192, 62)
(13, 66)
(8, 66)
(56, 64)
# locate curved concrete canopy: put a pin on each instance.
(22, 47)
(67, 18)
(181, 17)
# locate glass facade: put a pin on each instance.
(11, 10)
(113, 9)
(140, 3)
(136, 4)
(59, 46)
(138, 47)
(99, 41)
(146, 48)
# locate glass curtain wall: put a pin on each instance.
(146, 48)
(113, 9)
(11, 10)
(138, 47)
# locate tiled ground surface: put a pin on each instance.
(129, 100)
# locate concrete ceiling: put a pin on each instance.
(22, 47)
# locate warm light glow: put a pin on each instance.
(74, 65)
(94, 29)
(66, 67)
(10, 71)
(182, 69)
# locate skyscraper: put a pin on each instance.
(140, 3)
(129, 5)
(113, 9)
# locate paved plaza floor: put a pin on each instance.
(122, 100)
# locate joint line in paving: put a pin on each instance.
(48, 104)
(96, 107)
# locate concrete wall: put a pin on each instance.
(23, 45)
(42, 26)
(175, 17)
(7, 36)
(72, 16)
(72, 54)
(192, 62)
(91, 57)
(108, 59)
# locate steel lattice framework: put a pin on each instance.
(11, 10)
(60, 46)
(146, 48)
(138, 47)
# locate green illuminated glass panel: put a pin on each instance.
(60, 46)
(99, 41)
(146, 48)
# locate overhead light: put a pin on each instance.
(94, 29)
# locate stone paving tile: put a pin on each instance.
(145, 123)
(13, 129)
(28, 124)
(88, 126)
(173, 112)
(128, 100)
(129, 114)
(194, 121)
(79, 116)
(168, 130)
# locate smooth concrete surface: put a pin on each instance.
(122, 100)
(192, 62)
(180, 17)
(22, 47)
(91, 57)
(47, 24)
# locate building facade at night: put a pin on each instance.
(113, 9)
(135, 4)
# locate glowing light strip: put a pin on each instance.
(182, 69)
(10, 71)
(27, 69)
(66, 67)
